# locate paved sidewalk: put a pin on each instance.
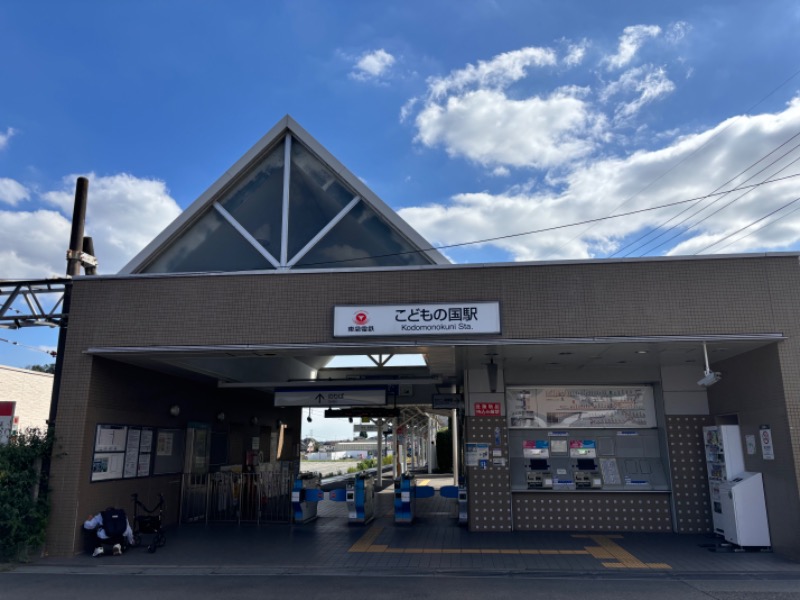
(433, 545)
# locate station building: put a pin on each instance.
(24, 400)
(575, 383)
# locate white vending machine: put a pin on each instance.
(744, 510)
(725, 460)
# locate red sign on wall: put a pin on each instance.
(487, 409)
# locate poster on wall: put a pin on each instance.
(126, 452)
(107, 465)
(767, 450)
(110, 438)
(164, 444)
(476, 455)
(546, 407)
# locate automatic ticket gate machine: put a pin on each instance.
(459, 493)
(306, 493)
(406, 492)
(360, 497)
(405, 499)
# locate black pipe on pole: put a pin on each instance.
(88, 248)
(78, 220)
(76, 246)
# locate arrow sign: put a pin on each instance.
(362, 396)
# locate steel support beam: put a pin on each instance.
(22, 303)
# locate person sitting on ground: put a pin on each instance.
(111, 526)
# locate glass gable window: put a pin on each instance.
(257, 202)
(211, 244)
(361, 239)
(328, 224)
(315, 197)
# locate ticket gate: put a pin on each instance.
(306, 493)
(457, 492)
(406, 492)
(360, 498)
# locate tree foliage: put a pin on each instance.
(50, 368)
(23, 509)
(444, 450)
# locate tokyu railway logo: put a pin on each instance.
(361, 317)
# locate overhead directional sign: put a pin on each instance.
(361, 396)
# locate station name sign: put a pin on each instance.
(462, 318)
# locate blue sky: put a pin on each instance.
(473, 119)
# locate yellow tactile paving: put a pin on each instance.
(611, 554)
(364, 543)
(608, 549)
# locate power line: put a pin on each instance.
(690, 155)
(13, 343)
(770, 224)
(729, 181)
(554, 228)
(751, 224)
(719, 209)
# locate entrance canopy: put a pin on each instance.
(268, 368)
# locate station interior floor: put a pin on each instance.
(433, 544)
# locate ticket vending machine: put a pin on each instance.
(584, 467)
(536, 454)
(360, 494)
(539, 476)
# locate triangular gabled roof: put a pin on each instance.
(286, 204)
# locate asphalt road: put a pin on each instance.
(464, 587)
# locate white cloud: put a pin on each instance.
(123, 214)
(490, 128)
(576, 53)
(470, 113)
(372, 65)
(501, 172)
(29, 244)
(4, 137)
(12, 192)
(407, 109)
(677, 31)
(499, 72)
(502, 112)
(630, 42)
(601, 188)
(648, 83)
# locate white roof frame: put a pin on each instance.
(228, 179)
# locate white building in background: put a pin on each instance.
(24, 398)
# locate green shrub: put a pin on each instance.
(23, 509)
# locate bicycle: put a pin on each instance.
(148, 523)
